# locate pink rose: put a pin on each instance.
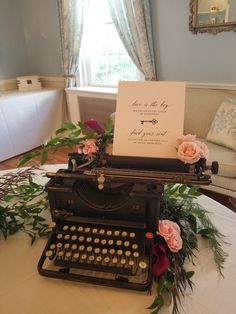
(175, 242)
(204, 151)
(167, 228)
(186, 138)
(89, 147)
(189, 152)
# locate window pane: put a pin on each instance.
(105, 60)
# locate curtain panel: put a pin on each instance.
(71, 19)
(132, 19)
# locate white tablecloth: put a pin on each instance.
(28, 119)
(24, 291)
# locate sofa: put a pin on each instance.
(201, 107)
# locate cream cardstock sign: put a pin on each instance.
(149, 118)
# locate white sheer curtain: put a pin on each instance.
(71, 18)
(132, 19)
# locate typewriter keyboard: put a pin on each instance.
(98, 248)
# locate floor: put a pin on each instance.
(61, 157)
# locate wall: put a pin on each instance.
(184, 56)
(180, 54)
(13, 56)
(41, 28)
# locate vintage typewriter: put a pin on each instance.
(105, 213)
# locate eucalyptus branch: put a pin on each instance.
(22, 205)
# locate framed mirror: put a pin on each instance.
(212, 16)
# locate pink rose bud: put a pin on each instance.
(94, 125)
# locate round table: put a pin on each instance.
(24, 291)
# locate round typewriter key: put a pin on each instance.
(66, 236)
(65, 228)
(106, 259)
(96, 240)
(116, 233)
(74, 237)
(131, 263)
(52, 246)
(52, 225)
(101, 231)
(81, 239)
(60, 254)
(118, 242)
(115, 260)
(72, 228)
(68, 255)
(84, 257)
(59, 236)
(126, 243)
(81, 247)
(91, 258)
(127, 253)
(103, 241)
(104, 251)
(80, 228)
(66, 245)
(109, 232)
(132, 235)
(143, 265)
(123, 261)
(124, 234)
(76, 255)
(94, 230)
(59, 245)
(49, 253)
(89, 249)
(74, 247)
(99, 258)
(112, 251)
(87, 230)
(149, 235)
(136, 254)
(119, 252)
(110, 242)
(97, 250)
(135, 246)
(89, 239)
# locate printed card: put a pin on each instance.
(149, 118)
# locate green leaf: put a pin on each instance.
(109, 125)
(154, 304)
(75, 133)
(68, 126)
(190, 274)
(182, 188)
(193, 222)
(61, 130)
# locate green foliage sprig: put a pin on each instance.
(22, 205)
(180, 206)
(70, 135)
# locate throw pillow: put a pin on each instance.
(223, 127)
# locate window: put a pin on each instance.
(104, 60)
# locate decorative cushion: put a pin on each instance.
(223, 127)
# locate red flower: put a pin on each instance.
(94, 125)
(162, 261)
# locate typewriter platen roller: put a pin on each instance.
(105, 217)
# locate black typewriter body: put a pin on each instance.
(105, 218)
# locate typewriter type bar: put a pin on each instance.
(97, 254)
